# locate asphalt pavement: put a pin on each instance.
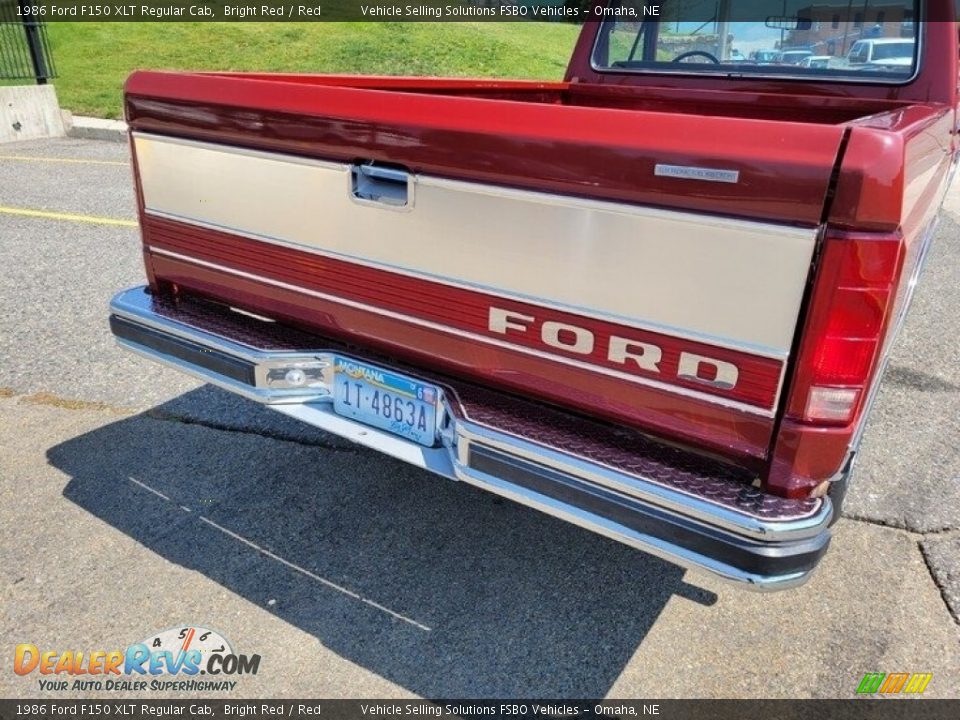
(134, 499)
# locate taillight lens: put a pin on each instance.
(831, 404)
(846, 325)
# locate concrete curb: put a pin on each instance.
(29, 112)
(92, 128)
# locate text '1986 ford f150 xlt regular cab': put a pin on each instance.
(654, 299)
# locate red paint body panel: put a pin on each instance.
(894, 164)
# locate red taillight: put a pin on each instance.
(846, 325)
(840, 347)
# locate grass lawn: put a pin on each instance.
(93, 59)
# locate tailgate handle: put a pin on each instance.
(380, 185)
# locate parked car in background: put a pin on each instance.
(794, 57)
(816, 61)
(765, 57)
(890, 53)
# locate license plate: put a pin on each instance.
(395, 403)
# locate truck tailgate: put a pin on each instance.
(595, 258)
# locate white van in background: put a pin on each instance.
(882, 52)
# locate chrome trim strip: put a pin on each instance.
(705, 397)
(122, 306)
(261, 395)
(926, 242)
(627, 536)
(448, 460)
(644, 490)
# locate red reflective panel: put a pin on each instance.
(857, 313)
(840, 361)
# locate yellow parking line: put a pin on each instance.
(79, 161)
(67, 216)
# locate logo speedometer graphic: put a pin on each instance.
(181, 640)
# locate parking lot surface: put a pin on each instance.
(134, 499)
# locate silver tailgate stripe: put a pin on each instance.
(711, 277)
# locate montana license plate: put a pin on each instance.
(373, 396)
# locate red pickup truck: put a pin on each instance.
(654, 299)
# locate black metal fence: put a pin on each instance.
(24, 47)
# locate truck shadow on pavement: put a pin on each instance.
(443, 589)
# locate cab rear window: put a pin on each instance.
(868, 41)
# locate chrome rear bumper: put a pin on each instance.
(690, 510)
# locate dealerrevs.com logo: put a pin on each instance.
(171, 660)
